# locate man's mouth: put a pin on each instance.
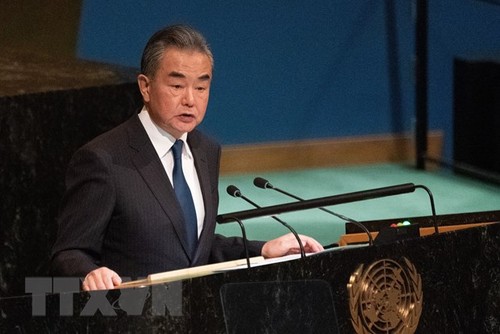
(186, 117)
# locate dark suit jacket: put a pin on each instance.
(120, 210)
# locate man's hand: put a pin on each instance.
(287, 244)
(101, 278)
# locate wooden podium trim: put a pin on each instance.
(357, 238)
(180, 274)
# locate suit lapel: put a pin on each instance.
(201, 163)
(148, 164)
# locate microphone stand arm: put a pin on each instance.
(355, 222)
(317, 202)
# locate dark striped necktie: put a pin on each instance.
(183, 194)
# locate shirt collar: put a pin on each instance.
(161, 139)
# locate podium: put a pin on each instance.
(454, 275)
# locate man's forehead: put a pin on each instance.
(180, 62)
(182, 53)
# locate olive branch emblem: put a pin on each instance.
(385, 298)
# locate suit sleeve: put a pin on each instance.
(85, 212)
(232, 248)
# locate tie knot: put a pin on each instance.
(177, 149)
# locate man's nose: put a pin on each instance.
(188, 98)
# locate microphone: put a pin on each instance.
(235, 192)
(265, 184)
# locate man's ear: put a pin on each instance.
(144, 84)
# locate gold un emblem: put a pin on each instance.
(385, 298)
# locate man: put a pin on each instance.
(121, 216)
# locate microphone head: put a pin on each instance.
(262, 183)
(233, 191)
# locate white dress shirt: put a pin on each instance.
(163, 142)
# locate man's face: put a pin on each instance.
(177, 96)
